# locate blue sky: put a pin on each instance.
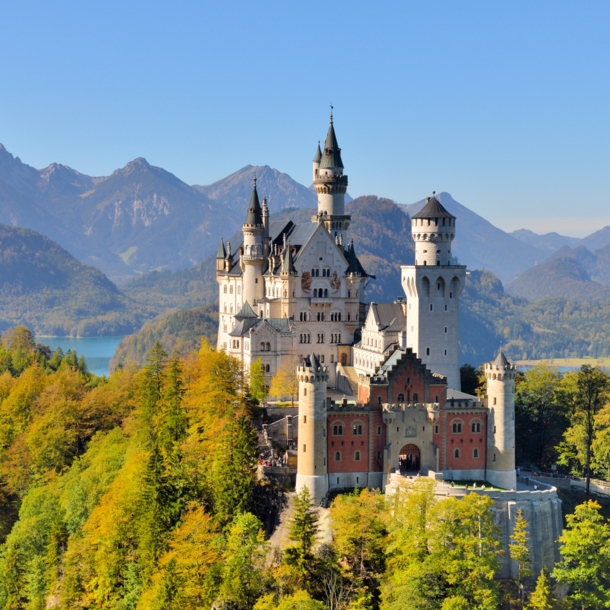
(506, 105)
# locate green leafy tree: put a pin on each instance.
(243, 574)
(585, 551)
(470, 379)
(540, 416)
(519, 552)
(588, 392)
(542, 596)
(258, 387)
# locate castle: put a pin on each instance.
(298, 291)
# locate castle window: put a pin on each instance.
(315, 293)
(494, 457)
(304, 448)
(427, 351)
(476, 427)
(431, 307)
(267, 368)
(256, 280)
(436, 398)
(322, 358)
(239, 290)
(332, 358)
(445, 307)
(378, 430)
(304, 391)
(231, 290)
(445, 330)
(415, 397)
(304, 419)
(435, 429)
(349, 294)
(357, 429)
(494, 400)
(438, 263)
(457, 428)
(357, 456)
(494, 429)
(349, 316)
(338, 430)
(451, 295)
(225, 289)
(378, 400)
(445, 352)
(400, 398)
(456, 453)
(475, 452)
(337, 458)
(325, 292)
(379, 455)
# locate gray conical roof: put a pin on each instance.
(331, 157)
(433, 209)
(222, 252)
(245, 312)
(312, 361)
(254, 217)
(318, 154)
(501, 360)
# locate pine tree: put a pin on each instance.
(519, 552)
(542, 597)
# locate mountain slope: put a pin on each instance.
(281, 190)
(560, 278)
(480, 245)
(550, 242)
(597, 240)
(45, 288)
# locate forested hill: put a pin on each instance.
(45, 288)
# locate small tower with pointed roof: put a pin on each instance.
(433, 286)
(331, 185)
(253, 256)
(500, 375)
(221, 255)
(312, 469)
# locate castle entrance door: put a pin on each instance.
(409, 459)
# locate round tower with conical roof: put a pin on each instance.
(500, 375)
(252, 257)
(433, 286)
(312, 470)
(331, 185)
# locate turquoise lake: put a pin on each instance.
(97, 350)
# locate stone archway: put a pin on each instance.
(409, 459)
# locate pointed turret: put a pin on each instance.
(318, 156)
(287, 263)
(254, 217)
(220, 256)
(332, 153)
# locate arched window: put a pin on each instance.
(315, 293)
(378, 400)
(427, 351)
(456, 453)
(457, 427)
(357, 456)
(231, 290)
(357, 429)
(476, 426)
(225, 289)
(338, 430)
(337, 456)
(325, 293)
(475, 452)
(400, 398)
(268, 346)
(415, 397)
(262, 346)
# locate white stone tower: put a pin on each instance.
(312, 471)
(433, 287)
(500, 375)
(252, 258)
(331, 185)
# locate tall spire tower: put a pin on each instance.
(330, 184)
(253, 255)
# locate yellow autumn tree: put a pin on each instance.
(285, 382)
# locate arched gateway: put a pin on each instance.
(409, 459)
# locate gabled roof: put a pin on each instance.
(331, 158)
(254, 217)
(389, 316)
(282, 325)
(244, 327)
(433, 209)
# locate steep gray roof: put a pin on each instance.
(501, 360)
(318, 154)
(331, 157)
(353, 264)
(287, 263)
(254, 217)
(222, 251)
(244, 326)
(280, 324)
(433, 209)
(245, 312)
(389, 316)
